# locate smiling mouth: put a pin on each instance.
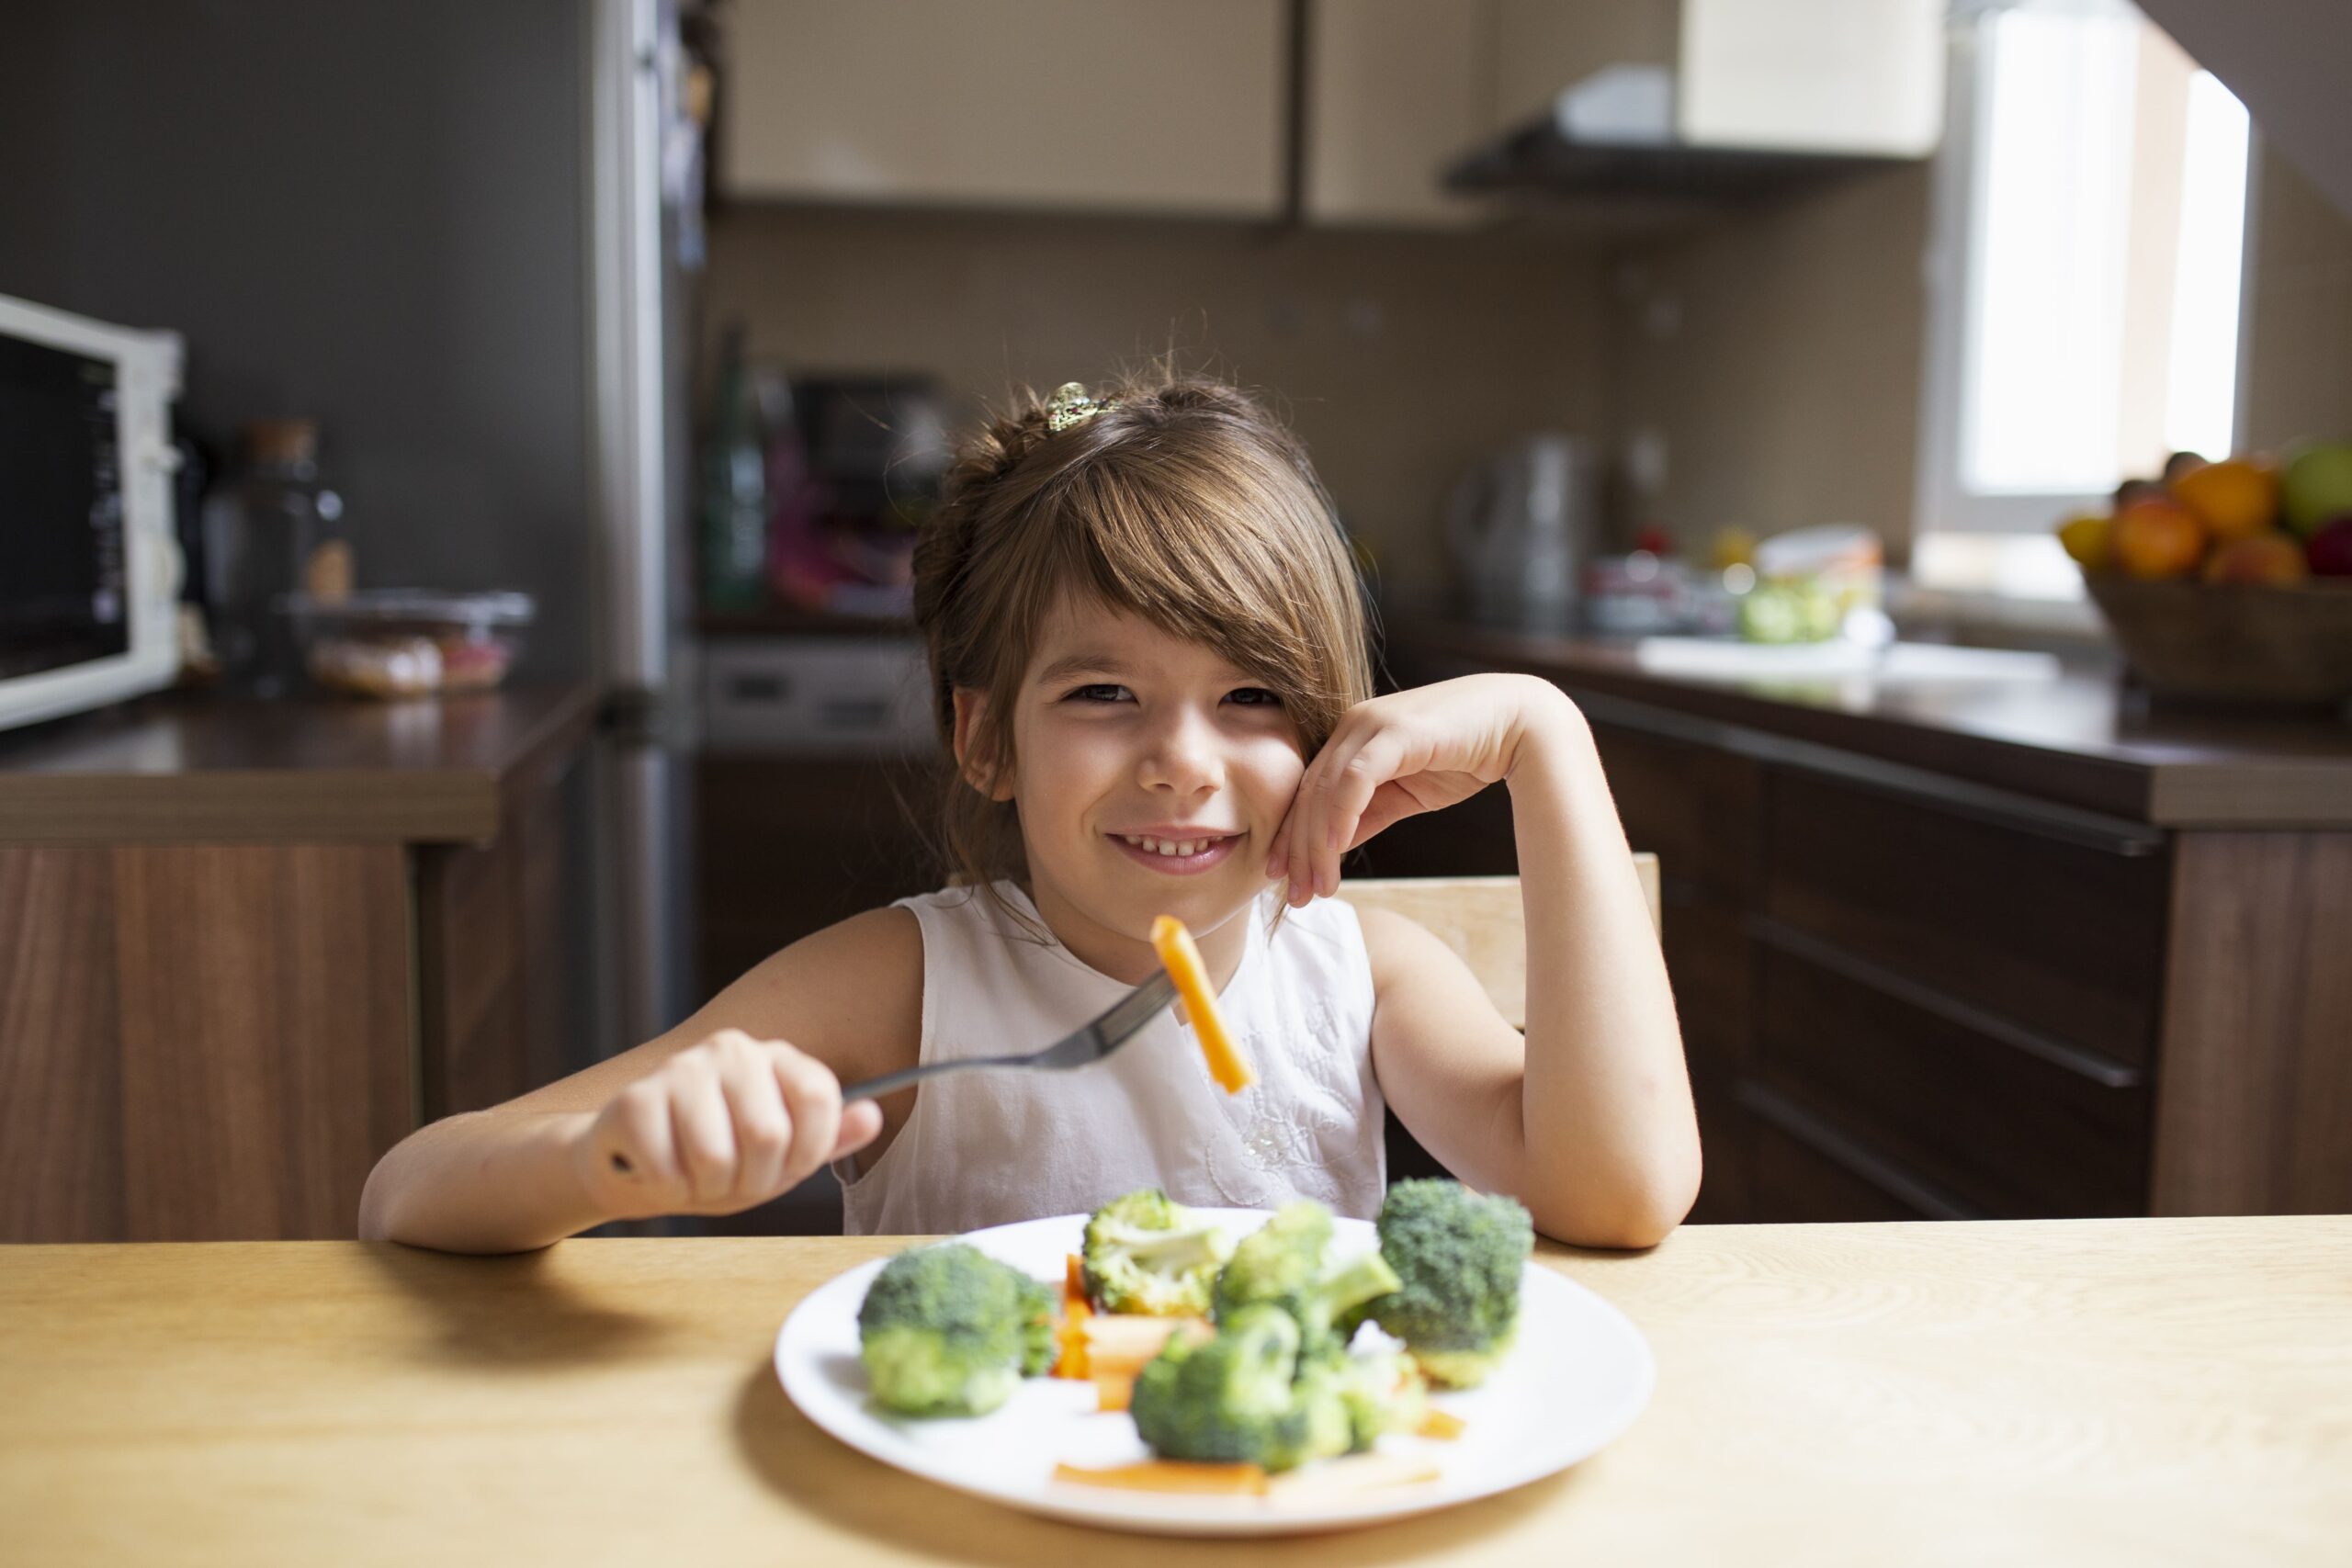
(1173, 847)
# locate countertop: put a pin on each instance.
(2079, 739)
(189, 767)
(2061, 1391)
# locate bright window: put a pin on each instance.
(2090, 231)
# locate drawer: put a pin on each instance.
(1707, 949)
(2001, 1131)
(1698, 809)
(1725, 1190)
(1794, 1183)
(2063, 937)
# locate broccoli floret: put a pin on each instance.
(1285, 1262)
(1458, 1256)
(1242, 1397)
(1144, 1254)
(949, 1331)
(1382, 1393)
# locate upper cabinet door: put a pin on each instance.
(1136, 106)
(1396, 89)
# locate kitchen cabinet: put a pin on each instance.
(1070, 105)
(795, 843)
(246, 947)
(1809, 75)
(1973, 952)
(1395, 90)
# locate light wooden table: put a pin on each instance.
(2074, 1393)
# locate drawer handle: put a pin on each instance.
(1791, 1119)
(1958, 797)
(2100, 1070)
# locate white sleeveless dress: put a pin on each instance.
(985, 1148)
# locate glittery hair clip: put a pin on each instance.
(1071, 405)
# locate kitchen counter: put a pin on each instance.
(246, 946)
(2008, 949)
(2079, 740)
(2137, 1390)
(187, 767)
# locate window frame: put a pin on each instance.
(1942, 502)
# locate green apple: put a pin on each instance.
(2316, 484)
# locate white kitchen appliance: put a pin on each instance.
(1518, 524)
(89, 569)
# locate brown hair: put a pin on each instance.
(1183, 502)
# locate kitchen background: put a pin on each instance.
(534, 350)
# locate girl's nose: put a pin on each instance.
(1183, 755)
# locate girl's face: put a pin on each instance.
(1150, 777)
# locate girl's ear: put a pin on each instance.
(971, 706)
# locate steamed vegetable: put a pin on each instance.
(950, 1331)
(1458, 1256)
(1181, 959)
(1144, 1254)
(1286, 1262)
(1242, 1397)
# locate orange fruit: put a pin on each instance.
(2158, 539)
(2271, 556)
(2236, 499)
(2089, 539)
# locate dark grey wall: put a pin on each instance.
(370, 211)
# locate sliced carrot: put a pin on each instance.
(1352, 1475)
(1118, 1344)
(1114, 1390)
(1181, 959)
(1436, 1423)
(1171, 1475)
(1069, 1334)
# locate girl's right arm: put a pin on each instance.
(736, 1105)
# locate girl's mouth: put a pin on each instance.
(1176, 857)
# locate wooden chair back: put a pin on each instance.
(1479, 918)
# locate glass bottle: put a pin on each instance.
(263, 531)
(734, 489)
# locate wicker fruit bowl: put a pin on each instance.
(2278, 645)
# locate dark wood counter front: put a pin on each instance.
(2078, 741)
(2012, 949)
(246, 946)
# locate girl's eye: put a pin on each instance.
(1254, 696)
(1099, 693)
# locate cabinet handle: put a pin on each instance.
(2100, 1070)
(1958, 798)
(1788, 1117)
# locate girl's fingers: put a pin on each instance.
(1349, 788)
(635, 1135)
(761, 1125)
(860, 1124)
(704, 1131)
(812, 1097)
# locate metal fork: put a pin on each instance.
(1088, 1043)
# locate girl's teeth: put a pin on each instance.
(1174, 846)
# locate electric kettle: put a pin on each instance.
(1517, 525)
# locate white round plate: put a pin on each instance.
(1578, 1375)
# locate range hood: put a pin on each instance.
(1757, 100)
(2290, 62)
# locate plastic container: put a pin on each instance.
(408, 642)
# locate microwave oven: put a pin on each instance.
(89, 566)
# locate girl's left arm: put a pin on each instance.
(1588, 1120)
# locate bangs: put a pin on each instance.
(1239, 559)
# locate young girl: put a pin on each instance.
(1148, 658)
